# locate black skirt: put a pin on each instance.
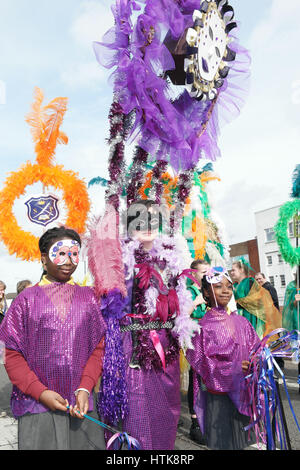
(224, 425)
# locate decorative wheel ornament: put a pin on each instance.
(286, 214)
(45, 122)
(207, 51)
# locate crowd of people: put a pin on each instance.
(57, 347)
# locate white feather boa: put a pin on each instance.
(178, 258)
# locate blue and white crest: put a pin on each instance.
(42, 210)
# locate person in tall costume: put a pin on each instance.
(172, 131)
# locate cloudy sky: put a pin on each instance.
(50, 46)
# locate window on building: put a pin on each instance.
(272, 280)
(282, 280)
(293, 228)
(270, 234)
(280, 260)
(269, 260)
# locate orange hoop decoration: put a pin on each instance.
(45, 122)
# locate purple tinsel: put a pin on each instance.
(112, 398)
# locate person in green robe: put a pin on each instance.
(245, 294)
(291, 309)
(290, 312)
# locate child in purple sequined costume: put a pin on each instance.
(155, 324)
(220, 359)
(54, 339)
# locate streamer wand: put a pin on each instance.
(118, 438)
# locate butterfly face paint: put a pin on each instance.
(215, 276)
(61, 250)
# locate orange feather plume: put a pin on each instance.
(45, 122)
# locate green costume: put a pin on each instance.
(290, 311)
(200, 310)
(241, 291)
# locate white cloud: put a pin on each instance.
(280, 19)
(84, 74)
(91, 22)
(94, 19)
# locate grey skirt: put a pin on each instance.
(56, 430)
(224, 425)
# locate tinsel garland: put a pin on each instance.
(184, 185)
(112, 401)
(156, 191)
(136, 174)
(119, 127)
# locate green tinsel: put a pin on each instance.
(289, 253)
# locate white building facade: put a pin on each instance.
(276, 270)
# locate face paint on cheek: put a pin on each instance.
(62, 250)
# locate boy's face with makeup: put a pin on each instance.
(61, 260)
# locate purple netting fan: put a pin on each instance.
(180, 69)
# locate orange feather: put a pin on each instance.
(45, 122)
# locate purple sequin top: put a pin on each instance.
(56, 328)
(223, 343)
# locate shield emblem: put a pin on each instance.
(42, 210)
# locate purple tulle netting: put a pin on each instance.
(178, 130)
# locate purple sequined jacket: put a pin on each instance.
(56, 328)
